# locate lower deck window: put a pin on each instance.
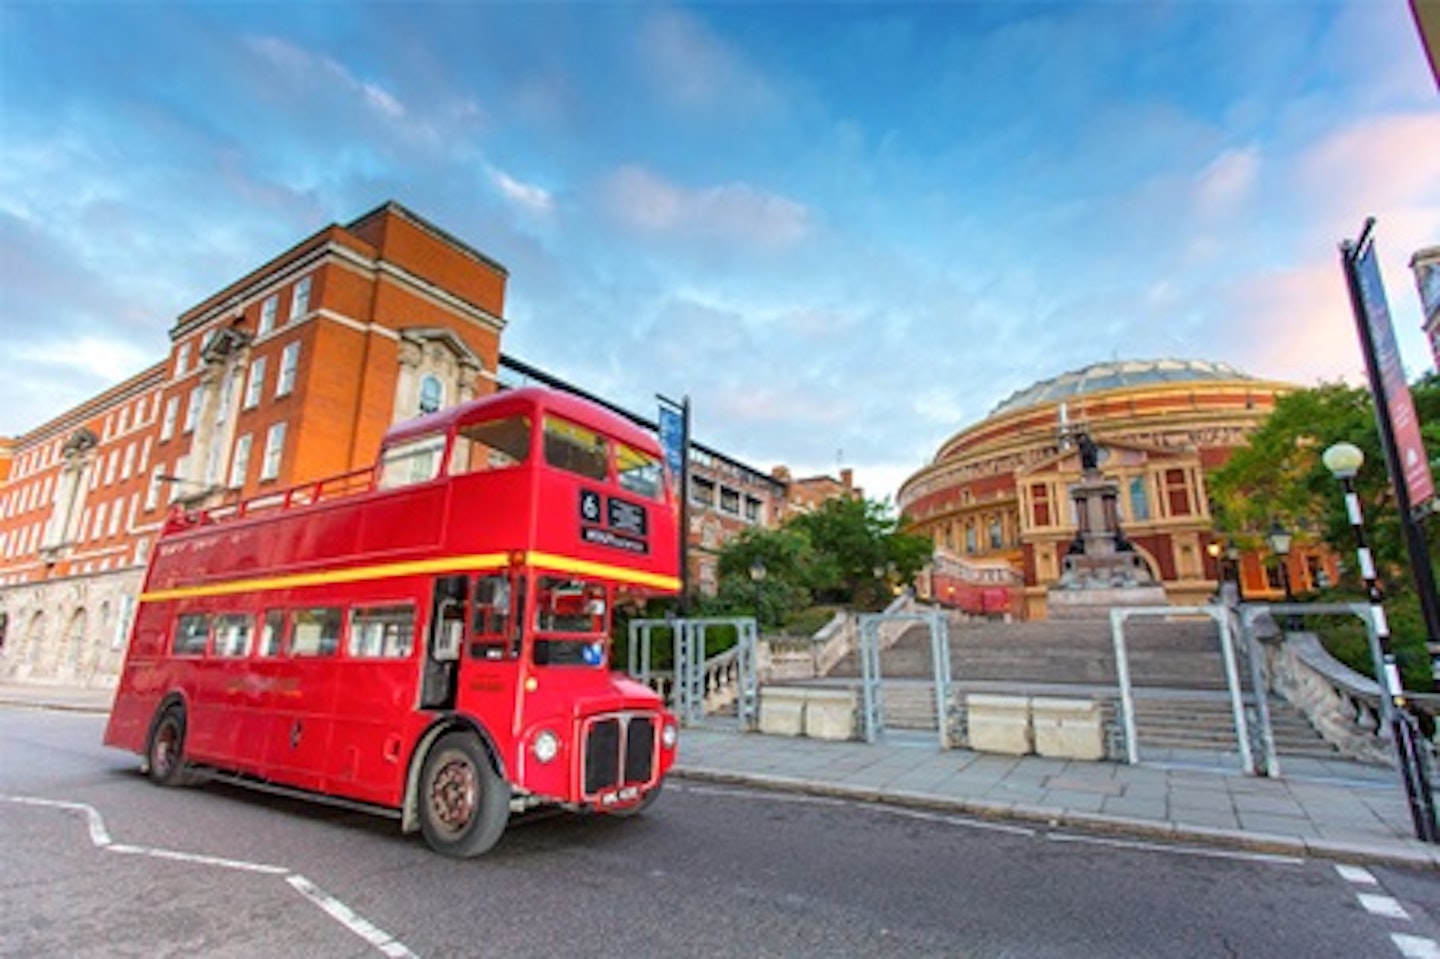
(315, 632)
(382, 632)
(192, 633)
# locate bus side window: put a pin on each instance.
(272, 633)
(191, 634)
(233, 632)
(495, 632)
(382, 632)
(316, 632)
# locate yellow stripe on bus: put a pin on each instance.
(567, 565)
(359, 574)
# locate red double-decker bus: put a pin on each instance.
(428, 638)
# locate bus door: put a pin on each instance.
(375, 704)
(442, 651)
(303, 701)
(493, 654)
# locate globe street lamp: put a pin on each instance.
(757, 576)
(1344, 460)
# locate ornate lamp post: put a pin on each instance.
(1232, 553)
(1280, 539)
(757, 576)
(1344, 460)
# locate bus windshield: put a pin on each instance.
(572, 619)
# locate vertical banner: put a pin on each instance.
(672, 440)
(674, 422)
(1389, 376)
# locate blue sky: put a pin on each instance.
(845, 230)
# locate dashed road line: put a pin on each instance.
(1388, 907)
(332, 907)
(1385, 906)
(1415, 947)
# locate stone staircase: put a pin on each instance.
(1176, 671)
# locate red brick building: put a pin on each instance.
(290, 373)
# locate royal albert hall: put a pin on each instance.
(995, 500)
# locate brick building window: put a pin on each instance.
(289, 360)
(1040, 499)
(1177, 498)
(274, 447)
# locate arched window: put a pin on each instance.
(432, 393)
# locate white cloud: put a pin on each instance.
(691, 67)
(306, 67)
(530, 197)
(737, 213)
(1228, 184)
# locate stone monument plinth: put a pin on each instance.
(1101, 568)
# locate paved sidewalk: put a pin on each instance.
(1335, 810)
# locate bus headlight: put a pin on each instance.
(669, 736)
(546, 746)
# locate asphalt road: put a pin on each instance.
(94, 861)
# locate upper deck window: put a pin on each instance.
(416, 461)
(638, 472)
(491, 445)
(575, 449)
(571, 620)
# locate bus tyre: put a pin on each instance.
(165, 753)
(464, 804)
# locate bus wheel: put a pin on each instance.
(464, 804)
(165, 754)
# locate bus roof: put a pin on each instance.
(520, 400)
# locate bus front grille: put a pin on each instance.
(619, 752)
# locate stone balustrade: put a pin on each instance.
(1342, 705)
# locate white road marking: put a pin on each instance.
(171, 854)
(1382, 906)
(98, 835)
(346, 916)
(336, 909)
(801, 799)
(1265, 857)
(1415, 947)
(1359, 875)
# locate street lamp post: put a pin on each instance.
(1232, 553)
(1280, 539)
(757, 576)
(1344, 460)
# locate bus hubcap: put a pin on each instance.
(164, 749)
(452, 797)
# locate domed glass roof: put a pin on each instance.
(1109, 376)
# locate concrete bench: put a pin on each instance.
(999, 724)
(807, 711)
(782, 710)
(1067, 728)
(830, 714)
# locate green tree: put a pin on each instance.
(829, 556)
(860, 552)
(1279, 476)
